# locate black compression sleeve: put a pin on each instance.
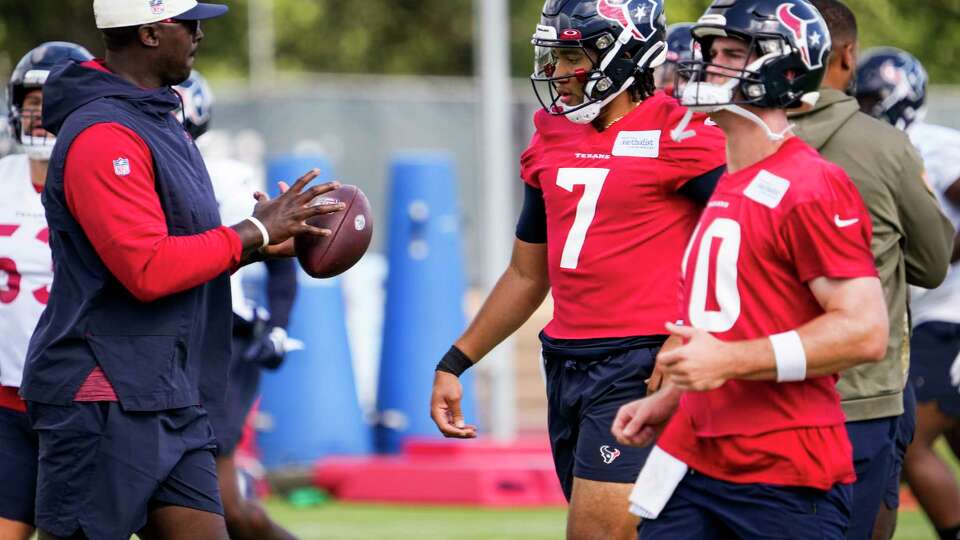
(532, 225)
(701, 188)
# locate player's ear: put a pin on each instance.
(149, 35)
(848, 56)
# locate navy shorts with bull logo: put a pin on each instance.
(585, 389)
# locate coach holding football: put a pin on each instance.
(136, 335)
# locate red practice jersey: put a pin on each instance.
(616, 225)
(766, 233)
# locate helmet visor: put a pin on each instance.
(564, 76)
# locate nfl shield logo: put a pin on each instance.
(157, 7)
(121, 166)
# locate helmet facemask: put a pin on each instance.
(26, 122)
(895, 104)
(36, 147)
(746, 85)
(612, 71)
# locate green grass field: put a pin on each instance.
(344, 521)
(347, 521)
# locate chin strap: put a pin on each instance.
(37, 148)
(718, 98)
(590, 112)
(681, 133)
(773, 136)
(706, 97)
(37, 153)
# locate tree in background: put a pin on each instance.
(432, 36)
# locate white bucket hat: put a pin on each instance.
(122, 13)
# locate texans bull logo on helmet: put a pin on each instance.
(636, 15)
(899, 80)
(812, 44)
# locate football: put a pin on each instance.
(328, 256)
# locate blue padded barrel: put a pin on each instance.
(289, 167)
(311, 401)
(425, 296)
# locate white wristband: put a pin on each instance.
(790, 356)
(263, 230)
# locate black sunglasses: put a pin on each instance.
(192, 26)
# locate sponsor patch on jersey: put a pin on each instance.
(767, 189)
(643, 144)
(121, 166)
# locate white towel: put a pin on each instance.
(656, 483)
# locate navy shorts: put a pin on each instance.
(874, 448)
(906, 426)
(704, 508)
(18, 467)
(583, 399)
(229, 417)
(101, 469)
(933, 348)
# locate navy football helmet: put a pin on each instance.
(623, 38)
(196, 110)
(679, 49)
(789, 38)
(31, 73)
(892, 86)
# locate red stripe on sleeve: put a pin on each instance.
(110, 189)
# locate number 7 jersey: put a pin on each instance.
(616, 223)
(26, 268)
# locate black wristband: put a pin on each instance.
(454, 362)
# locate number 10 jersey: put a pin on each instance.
(768, 230)
(616, 224)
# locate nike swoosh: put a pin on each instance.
(844, 222)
